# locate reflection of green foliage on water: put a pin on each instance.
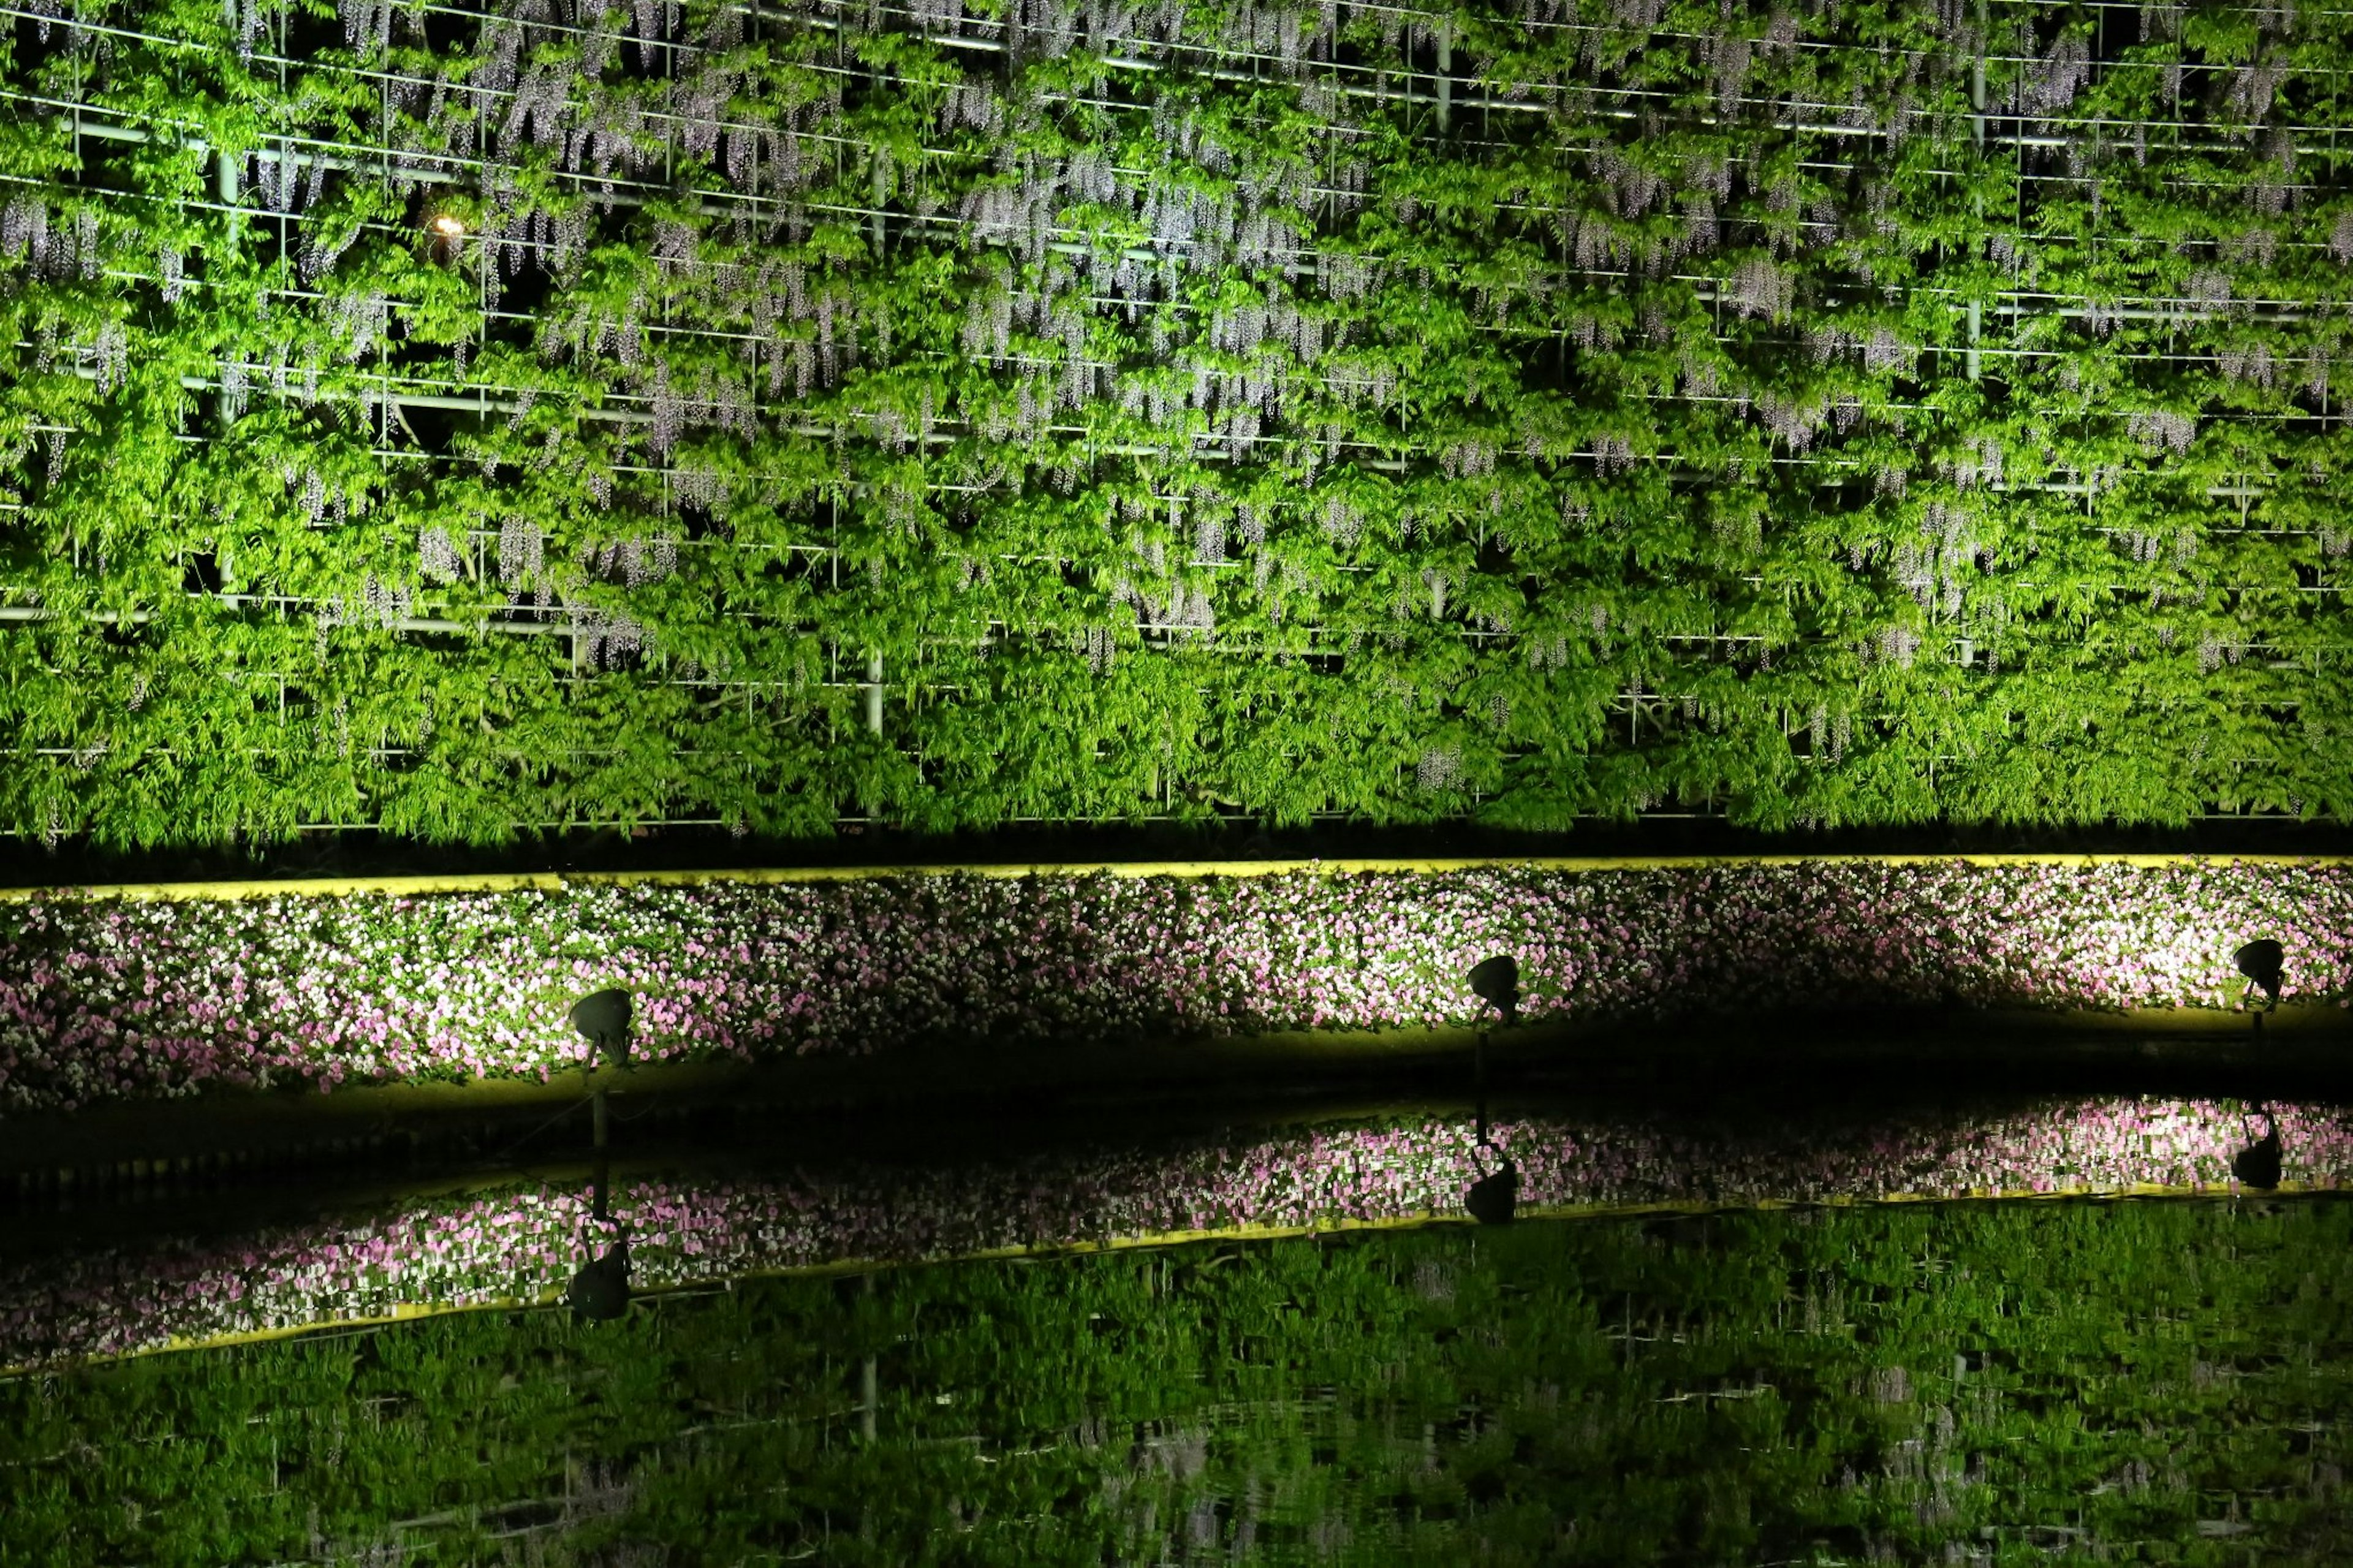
(1798, 1387)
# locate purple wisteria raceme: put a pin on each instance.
(102, 998)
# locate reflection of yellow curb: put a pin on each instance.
(402, 1312)
(409, 1311)
(555, 882)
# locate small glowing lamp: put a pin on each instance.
(448, 226)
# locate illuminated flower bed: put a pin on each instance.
(104, 998)
(522, 1245)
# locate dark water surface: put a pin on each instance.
(2138, 1381)
(2022, 1381)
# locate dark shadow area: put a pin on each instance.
(27, 864)
(980, 1096)
(284, 1170)
(954, 1091)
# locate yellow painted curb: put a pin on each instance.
(410, 1312)
(557, 881)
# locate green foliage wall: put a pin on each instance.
(1990, 1383)
(569, 411)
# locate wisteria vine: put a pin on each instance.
(1829, 414)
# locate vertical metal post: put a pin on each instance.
(602, 1180)
(1977, 135)
(1445, 77)
(867, 1381)
(225, 187)
(874, 692)
(1977, 82)
(1479, 1078)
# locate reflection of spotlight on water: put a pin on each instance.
(1493, 1198)
(2258, 1164)
(600, 1291)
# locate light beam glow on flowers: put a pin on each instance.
(521, 1245)
(105, 998)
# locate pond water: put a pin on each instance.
(1841, 1381)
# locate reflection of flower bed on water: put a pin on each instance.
(108, 998)
(524, 1244)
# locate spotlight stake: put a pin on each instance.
(1495, 1197)
(600, 1291)
(2265, 962)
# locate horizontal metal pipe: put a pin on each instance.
(30, 614)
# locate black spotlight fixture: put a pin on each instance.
(2258, 1164)
(1497, 979)
(1495, 1197)
(604, 1018)
(2265, 962)
(600, 1291)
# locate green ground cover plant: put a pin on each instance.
(1991, 1383)
(104, 997)
(457, 419)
